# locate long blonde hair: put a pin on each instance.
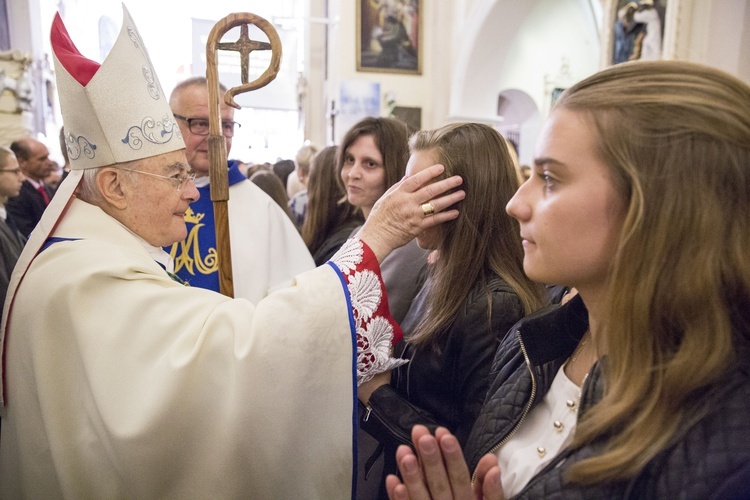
(483, 240)
(677, 139)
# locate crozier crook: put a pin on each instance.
(217, 152)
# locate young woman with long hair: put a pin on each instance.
(640, 199)
(476, 290)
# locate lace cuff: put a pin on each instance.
(377, 331)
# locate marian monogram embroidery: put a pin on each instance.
(375, 332)
(190, 257)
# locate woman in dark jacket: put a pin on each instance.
(643, 208)
(475, 292)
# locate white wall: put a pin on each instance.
(720, 35)
(522, 45)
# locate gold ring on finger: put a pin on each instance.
(428, 209)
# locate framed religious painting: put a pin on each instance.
(637, 30)
(389, 36)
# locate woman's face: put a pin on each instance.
(429, 239)
(569, 210)
(363, 173)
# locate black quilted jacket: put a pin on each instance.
(709, 458)
(445, 385)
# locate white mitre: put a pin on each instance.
(112, 113)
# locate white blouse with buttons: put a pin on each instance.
(545, 431)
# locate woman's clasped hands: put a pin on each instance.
(439, 470)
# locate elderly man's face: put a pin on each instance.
(192, 102)
(156, 208)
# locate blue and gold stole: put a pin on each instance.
(195, 258)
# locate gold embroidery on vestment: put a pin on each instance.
(190, 257)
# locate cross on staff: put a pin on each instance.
(217, 151)
(244, 45)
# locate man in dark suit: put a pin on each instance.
(26, 209)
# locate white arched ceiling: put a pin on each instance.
(516, 108)
(507, 44)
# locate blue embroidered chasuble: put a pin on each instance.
(195, 258)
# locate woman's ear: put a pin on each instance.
(109, 182)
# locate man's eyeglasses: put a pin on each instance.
(16, 171)
(199, 126)
(177, 180)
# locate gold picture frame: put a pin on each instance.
(389, 36)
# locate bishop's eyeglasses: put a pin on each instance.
(199, 126)
(177, 180)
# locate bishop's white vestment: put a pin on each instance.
(120, 382)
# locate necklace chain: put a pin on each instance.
(580, 347)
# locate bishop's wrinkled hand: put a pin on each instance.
(410, 206)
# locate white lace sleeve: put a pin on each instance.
(377, 331)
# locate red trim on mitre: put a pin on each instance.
(78, 66)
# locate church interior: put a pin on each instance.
(347, 107)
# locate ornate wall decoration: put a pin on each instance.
(16, 82)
